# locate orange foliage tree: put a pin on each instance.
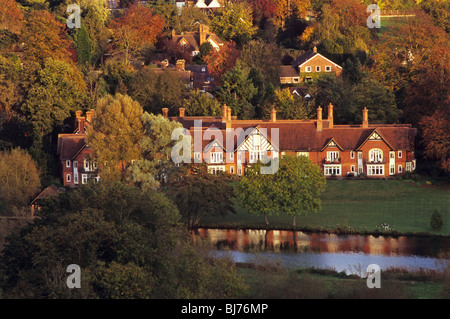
(11, 17)
(138, 27)
(286, 8)
(44, 37)
(219, 62)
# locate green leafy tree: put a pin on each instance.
(155, 166)
(436, 220)
(294, 190)
(84, 47)
(201, 104)
(234, 22)
(236, 91)
(290, 106)
(56, 90)
(114, 139)
(128, 242)
(198, 193)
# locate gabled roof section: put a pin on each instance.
(332, 143)
(375, 136)
(70, 145)
(308, 56)
(288, 71)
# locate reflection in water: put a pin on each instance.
(321, 250)
(295, 241)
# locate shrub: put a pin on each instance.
(436, 221)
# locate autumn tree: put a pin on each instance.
(114, 139)
(262, 10)
(436, 136)
(284, 9)
(11, 17)
(10, 89)
(44, 38)
(20, 178)
(137, 28)
(221, 61)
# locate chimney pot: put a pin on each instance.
(165, 111)
(182, 109)
(78, 114)
(81, 122)
(224, 112)
(273, 115)
(90, 116)
(181, 64)
(315, 49)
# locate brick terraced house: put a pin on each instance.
(374, 150)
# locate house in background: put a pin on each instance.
(307, 67)
(49, 191)
(372, 150)
(74, 154)
(193, 40)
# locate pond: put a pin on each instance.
(295, 249)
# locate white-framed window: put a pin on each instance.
(352, 168)
(332, 170)
(400, 169)
(239, 156)
(75, 178)
(391, 154)
(317, 68)
(84, 178)
(400, 154)
(198, 156)
(408, 167)
(392, 169)
(332, 156)
(307, 69)
(360, 155)
(328, 68)
(376, 155)
(75, 164)
(239, 171)
(275, 154)
(282, 154)
(295, 80)
(216, 157)
(374, 170)
(89, 166)
(254, 156)
(67, 163)
(305, 154)
(216, 169)
(68, 178)
(360, 170)
(231, 169)
(352, 155)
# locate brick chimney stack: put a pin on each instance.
(273, 115)
(203, 30)
(165, 111)
(181, 64)
(81, 123)
(182, 110)
(224, 112)
(319, 118)
(78, 114)
(315, 49)
(330, 116)
(90, 116)
(365, 122)
(228, 113)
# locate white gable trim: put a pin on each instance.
(318, 54)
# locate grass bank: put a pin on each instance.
(359, 206)
(267, 281)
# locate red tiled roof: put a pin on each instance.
(69, 145)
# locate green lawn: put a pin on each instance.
(360, 204)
